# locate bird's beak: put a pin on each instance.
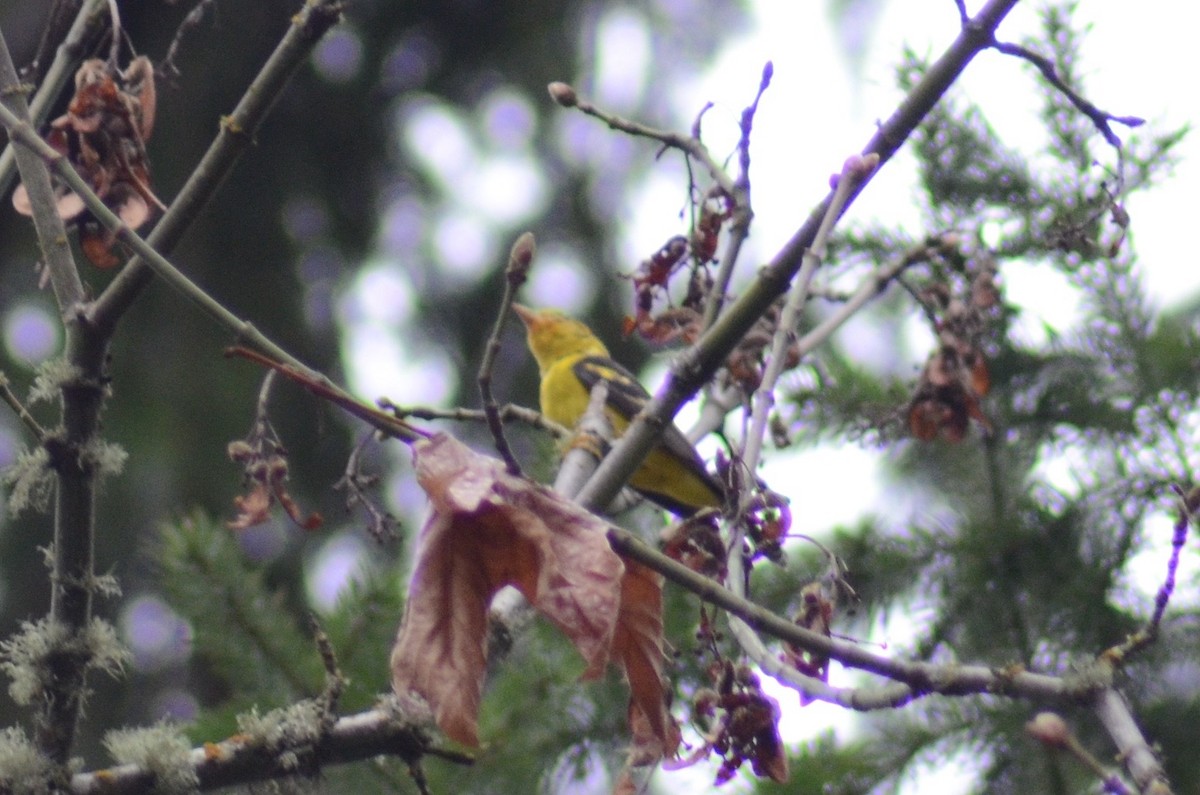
(526, 314)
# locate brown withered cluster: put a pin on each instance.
(956, 378)
(658, 320)
(678, 324)
(743, 723)
(103, 135)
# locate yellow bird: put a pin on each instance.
(572, 360)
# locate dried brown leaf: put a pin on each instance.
(488, 529)
(638, 648)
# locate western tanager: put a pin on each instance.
(572, 360)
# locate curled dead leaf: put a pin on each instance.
(488, 529)
(103, 134)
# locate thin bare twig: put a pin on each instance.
(855, 170)
(592, 438)
(75, 467)
(193, 19)
(519, 260)
(690, 146)
(114, 44)
(165, 270)
(910, 679)
(322, 387)
(1044, 65)
(742, 214)
(30, 422)
(380, 524)
(871, 286)
(1117, 655)
(1054, 732)
(1137, 755)
(51, 231)
(63, 15)
(508, 412)
(335, 681)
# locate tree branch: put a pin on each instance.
(918, 678)
(515, 274)
(236, 761)
(695, 366)
(51, 231)
(237, 133)
(72, 454)
(1139, 759)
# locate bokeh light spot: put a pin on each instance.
(622, 57)
(30, 333)
(508, 119)
(156, 634)
(560, 280)
(464, 246)
(338, 57)
(401, 226)
(265, 541)
(435, 136)
(506, 190)
(176, 705)
(305, 218)
(409, 63)
(337, 564)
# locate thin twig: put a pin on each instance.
(963, 17)
(51, 231)
(855, 170)
(14, 402)
(262, 412)
(322, 387)
(1098, 117)
(1178, 539)
(742, 214)
(690, 146)
(910, 679)
(1054, 732)
(243, 329)
(114, 44)
(335, 681)
(519, 260)
(380, 524)
(508, 412)
(1137, 755)
(193, 19)
(1117, 655)
(871, 286)
(61, 702)
(593, 435)
(63, 14)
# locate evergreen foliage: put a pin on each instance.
(1012, 544)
